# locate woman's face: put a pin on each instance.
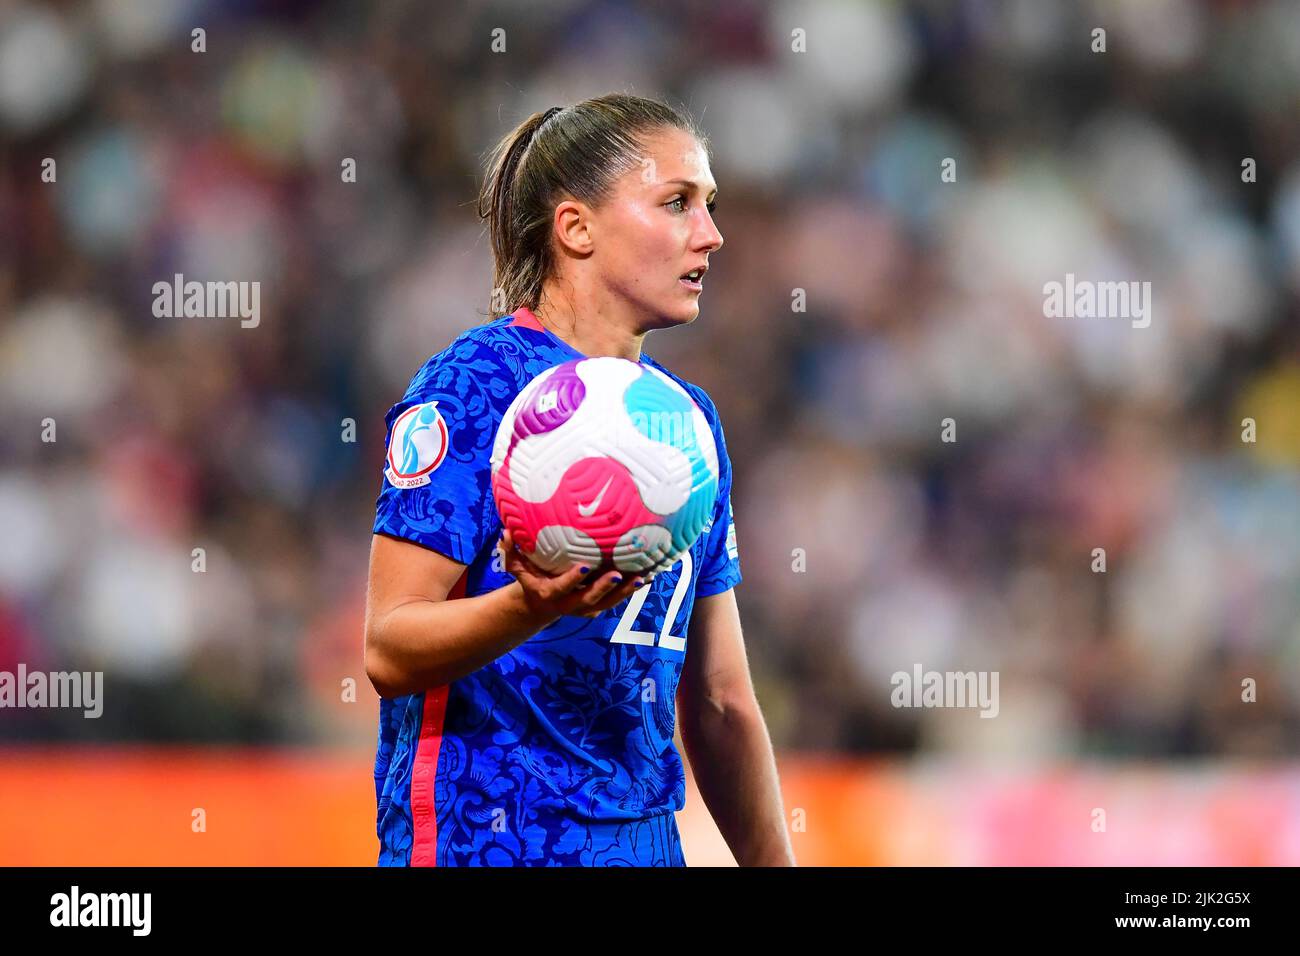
(656, 227)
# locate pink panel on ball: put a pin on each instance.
(597, 496)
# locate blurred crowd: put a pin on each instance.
(869, 544)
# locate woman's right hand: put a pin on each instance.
(569, 593)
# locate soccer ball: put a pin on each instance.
(606, 463)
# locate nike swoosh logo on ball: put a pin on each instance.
(587, 510)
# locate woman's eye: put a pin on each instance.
(679, 205)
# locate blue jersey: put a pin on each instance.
(559, 752)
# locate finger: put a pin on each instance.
(631, 584)
(506, 547)
(613, 599)
(519, 559)
(574, 579)
(614, 589)
(564, 586)
(601, 587)
(511, 546)
(517, 562)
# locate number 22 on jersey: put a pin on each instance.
(624, 633)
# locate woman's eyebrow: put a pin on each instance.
(688, 183)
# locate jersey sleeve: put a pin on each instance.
(437, 484)
(720, 569)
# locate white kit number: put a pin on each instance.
(624, 634)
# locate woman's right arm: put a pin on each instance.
(416, 639)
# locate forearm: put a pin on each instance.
(426, 644)
(731, 758)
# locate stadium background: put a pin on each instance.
(1119, 690)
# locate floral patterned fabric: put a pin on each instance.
(561, 751)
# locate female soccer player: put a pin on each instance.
(527, 718)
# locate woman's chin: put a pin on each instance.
(686, 313)
(672, 315)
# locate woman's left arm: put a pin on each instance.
(726, 739)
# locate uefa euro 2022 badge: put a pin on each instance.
(417, 445)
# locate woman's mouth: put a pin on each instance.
(693, 280)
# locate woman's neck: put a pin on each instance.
(592, 328)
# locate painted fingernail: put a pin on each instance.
(584, 569)
(640, 582)
(618, 579)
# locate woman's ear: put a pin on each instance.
(573, 227)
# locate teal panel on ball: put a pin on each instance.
(686, 523)
(665, 415)
(660, 413)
